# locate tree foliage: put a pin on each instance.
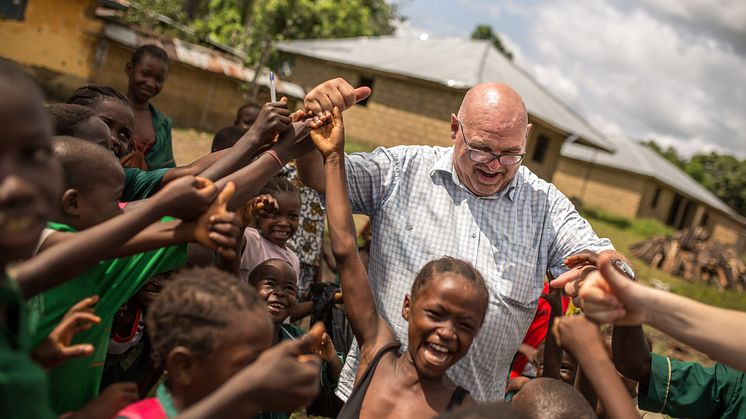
(486, 32)
(250, 25)
(722, 174)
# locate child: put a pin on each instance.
(549, 398)
(445, 310)
(205, 327)
(114, 109)
(146, 73)
(79, 121)
(89, 200)
(275, 282)
(246, 116)
(273, 228)
(226, 137)
(30, 185)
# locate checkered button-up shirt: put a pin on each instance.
(420, 211)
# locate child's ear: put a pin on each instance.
(128, 69)
(179, 364)
(71, 203)
(406, 307)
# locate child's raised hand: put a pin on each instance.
(328, 132)
(315, 340)
(578, 335)
(273, 119)
(327, 352)
(56, 348)
(187, 197)
(217, 228)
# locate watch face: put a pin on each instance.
(624, 268)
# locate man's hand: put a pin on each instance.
(582, 265)
(56, 349)
(273, 119)
(187, 197)
(611, 297)
(336, 92)
(328, 133)
(217, 228)
(113, 399)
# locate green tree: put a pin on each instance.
(723, 175)
(486, 32)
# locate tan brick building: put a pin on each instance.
(417, 84)
(68, 43)
(635, 182)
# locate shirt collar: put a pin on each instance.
(444, 165)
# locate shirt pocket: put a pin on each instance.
(519, 278)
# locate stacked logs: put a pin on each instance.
(690, 255)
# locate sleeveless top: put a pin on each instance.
(351, 409)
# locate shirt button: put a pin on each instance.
(473, 235)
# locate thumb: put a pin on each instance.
(337, 116)
(616, 279)
(226, 194)
(205, 187)
(85, 349)
(361, 93)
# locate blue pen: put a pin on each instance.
(272, 92)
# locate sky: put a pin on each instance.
(669, 70)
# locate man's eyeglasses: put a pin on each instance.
(481, 156)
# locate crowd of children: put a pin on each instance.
(135, 288)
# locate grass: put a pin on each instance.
(625, 232)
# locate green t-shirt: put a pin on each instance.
(115, 281)
(24, 392)
(141, 184)
(688, 389)
(161, 154)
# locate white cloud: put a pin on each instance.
(631, 67)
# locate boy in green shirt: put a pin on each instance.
(89, 200)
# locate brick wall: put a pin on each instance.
(607, 189)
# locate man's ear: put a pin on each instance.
(454, 127)
(71, 203)
(528, 131)
(180, 365)
(406, 307)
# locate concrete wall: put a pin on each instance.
(605, 188)
(56, 35)
(408, 111)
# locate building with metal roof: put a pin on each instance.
(636, 182)
(417, 83)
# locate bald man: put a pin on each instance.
(473, 201)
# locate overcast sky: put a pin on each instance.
(670, 70)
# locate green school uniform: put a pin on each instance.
(161, 155)
(688, 389)
(141, 184)
(24, 392)
(115, 281)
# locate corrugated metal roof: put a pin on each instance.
(453, 62)
(634, 157)
(199, 57)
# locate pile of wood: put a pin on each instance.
(690, 255)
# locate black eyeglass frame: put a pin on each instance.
(486, 157)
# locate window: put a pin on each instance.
(656, 195)
(12, 9)
(365, 81)
(540, 151)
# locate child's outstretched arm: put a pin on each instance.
(582, 339)
(360, 306)
(185, 198)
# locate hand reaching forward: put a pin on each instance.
(186, 198)
(336, 92)
(217, 228)
(328, 132)
(612, 297)
(56, 348)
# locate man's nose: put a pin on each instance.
(494, 165)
